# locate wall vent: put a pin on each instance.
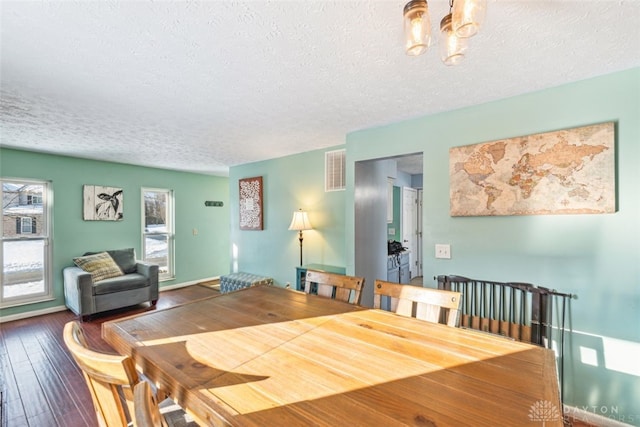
(334, 170)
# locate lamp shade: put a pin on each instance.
(300, 221)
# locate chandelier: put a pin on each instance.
(463, 21)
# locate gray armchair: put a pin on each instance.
(137, 285)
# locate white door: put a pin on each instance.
(410, 226)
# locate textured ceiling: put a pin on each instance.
(203, 85)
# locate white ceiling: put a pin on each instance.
(203, 85)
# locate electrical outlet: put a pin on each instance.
(195, 231)
(391, 232)
(443, 251)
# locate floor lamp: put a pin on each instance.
(300, 222)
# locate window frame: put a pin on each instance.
(170, 230)
(30, 198)
(44, 234)
(22, 225)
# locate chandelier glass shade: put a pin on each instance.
(417, 27)
(463, 21)
(468, 16)
(452, 47)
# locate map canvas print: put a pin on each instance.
(571, 171)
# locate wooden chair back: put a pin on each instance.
(108, 377)
(147, 411)
(336, 286)
(432, 305)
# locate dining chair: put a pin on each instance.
(151, 413)
(147, 410)
(111, 379)
(336, 286)
(106, 375)
(432, 305)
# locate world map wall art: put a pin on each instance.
(571, 171)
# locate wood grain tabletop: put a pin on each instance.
(267, 356)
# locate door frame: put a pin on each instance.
(419, 228)
(412, 242)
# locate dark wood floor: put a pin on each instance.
(40, 384)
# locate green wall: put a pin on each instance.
(596, 257)
(290, 183)
(198, 257)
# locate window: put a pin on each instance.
(25, 225)
(34, 199)
(158, 230)
(25, 250)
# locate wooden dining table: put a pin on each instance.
(268, 356)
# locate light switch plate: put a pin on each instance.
(391, 232)
(443, 251)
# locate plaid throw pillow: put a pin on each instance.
(100, 265)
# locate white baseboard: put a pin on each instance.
(58, 308)
(33, 313)
(592, 417)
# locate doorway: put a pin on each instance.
(371, 225)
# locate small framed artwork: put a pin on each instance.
(102, 203)
(251, 203)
